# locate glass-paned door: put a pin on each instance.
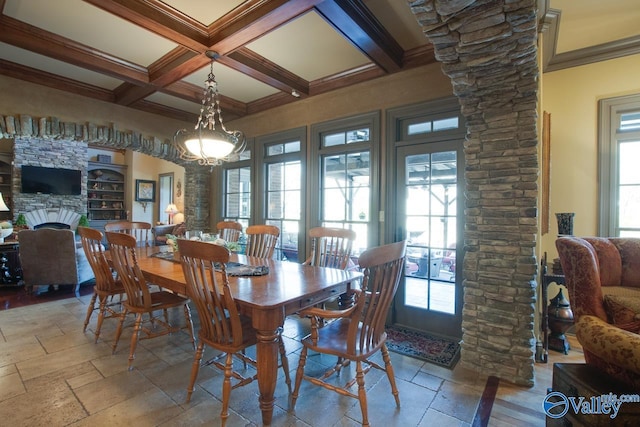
(165, 197)
(284, 206)
(429, 207)
(346, 194)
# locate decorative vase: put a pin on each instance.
(560, 319)
(565, 223)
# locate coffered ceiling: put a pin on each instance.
(150, 54)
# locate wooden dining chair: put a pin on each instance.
(261, 240)
(107, 286)
(221, 326)
(357, 333)
(331, 247)
(141, 230)
(229, 230)
(140, 300)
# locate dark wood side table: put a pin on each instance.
(10, 268)
(547, 279)
(581, 381)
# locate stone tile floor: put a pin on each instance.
(52, 374)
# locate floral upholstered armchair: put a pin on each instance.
(603, 279)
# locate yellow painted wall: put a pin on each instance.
(571, 97)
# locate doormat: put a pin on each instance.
(441, 351)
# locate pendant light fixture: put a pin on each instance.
(210, 143)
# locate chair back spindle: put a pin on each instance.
(262, 240)
(229, 230)
(331, 247)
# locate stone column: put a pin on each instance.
(488, 49)
(197, 190)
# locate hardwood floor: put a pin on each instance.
(17, 296)
(34, 356)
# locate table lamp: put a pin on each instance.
(178, 218)
(4, 232)
(171, 209)
(3, 205)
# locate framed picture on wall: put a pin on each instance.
(145, 190)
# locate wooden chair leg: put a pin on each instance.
(90, 309)
(119, 330)
(299, 375)
(134, 339)
(285, 363)
(226, 388)
(362, 394)
(101, 313)
(187, 317)
(390, 374)
(195, 368)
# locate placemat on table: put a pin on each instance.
(233, 268)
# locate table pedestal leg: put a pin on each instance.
(267, 351)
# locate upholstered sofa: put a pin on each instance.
(52, 257)
(603, 279)
(160, 232)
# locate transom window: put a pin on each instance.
(432, 126)
(283, 148)
(347, 137)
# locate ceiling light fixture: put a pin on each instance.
(210, 143)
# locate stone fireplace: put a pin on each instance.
(51, 153)
(58, 218)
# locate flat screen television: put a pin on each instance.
(37, 179)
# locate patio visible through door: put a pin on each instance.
(429, 208)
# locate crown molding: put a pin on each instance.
(553, 61)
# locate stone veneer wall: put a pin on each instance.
(65, 154)
(488, 49)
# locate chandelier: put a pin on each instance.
(210, 143)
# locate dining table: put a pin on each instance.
(267, 299)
